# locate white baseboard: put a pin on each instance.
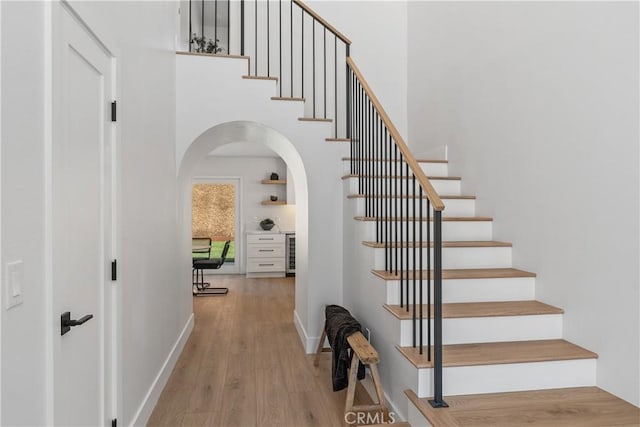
(309, 343)
(149, 402)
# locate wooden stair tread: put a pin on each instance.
(499, 353)
(286, 98)
(445, 244)
(430, 178)
(480, 309)
(314, 119)
(390, 160)
(260, 78)
(563, 407)
(424, 218)
(386, 196)
(463, 273)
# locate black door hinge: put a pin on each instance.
(114, 270)
(114, 422)
(113, 111)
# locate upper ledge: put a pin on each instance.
(211, 55)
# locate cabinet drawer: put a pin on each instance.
(268, 251)
(265, 265)
(265, 238)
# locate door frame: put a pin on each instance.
(112, 296)
(239, 248)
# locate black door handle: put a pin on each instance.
(66, 322)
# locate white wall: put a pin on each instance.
(23, 327)
(141, 35)
(538, 105)
(242, 109)
(252, 170)
(378, 32)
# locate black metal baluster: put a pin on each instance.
(256, 35)
(429, 275)
(415, 272)
(350, 111)
(190, 29)
(324, 62)
(241, 27)
(406, 223)
(202, 21)
(268, 42)
(280, 50)
(313, 39)
(229, 27)
(335, 85)
(388, 197)
(302, 53)
(420, 270)
(215, 22)
(401, 240)
(396, 213)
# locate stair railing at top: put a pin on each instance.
(285, 39)
(398, 196)
(405, 207)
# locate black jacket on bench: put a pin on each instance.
(339, 325)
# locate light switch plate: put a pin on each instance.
(14, 278)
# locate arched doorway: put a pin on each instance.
(243, 131)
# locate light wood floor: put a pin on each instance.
(244, 365)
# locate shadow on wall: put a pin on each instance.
(256, 133)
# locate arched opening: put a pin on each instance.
(251, 132)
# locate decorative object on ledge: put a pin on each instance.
(267, 224)
(274, 176)
(202, 45)
(273, 198)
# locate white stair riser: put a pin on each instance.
(510, 377)
(472, 290)
(492, 257)
(388, 168)
(445, 187)
(488, 329)
(451, 230)
(391, 207)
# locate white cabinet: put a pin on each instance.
(265, 255)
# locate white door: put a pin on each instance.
(81, 223)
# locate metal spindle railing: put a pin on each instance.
(396, 192)
(307, 74)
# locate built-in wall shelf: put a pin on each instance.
(270, 203)
(274, 181)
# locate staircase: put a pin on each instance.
(461, 337)
(499, 343)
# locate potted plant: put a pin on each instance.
(202, 45)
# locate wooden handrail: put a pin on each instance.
(318, 18)
(430, 192)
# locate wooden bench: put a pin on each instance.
(364, 352)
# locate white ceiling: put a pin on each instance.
(243, 149)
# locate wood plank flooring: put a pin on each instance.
(244, 365)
